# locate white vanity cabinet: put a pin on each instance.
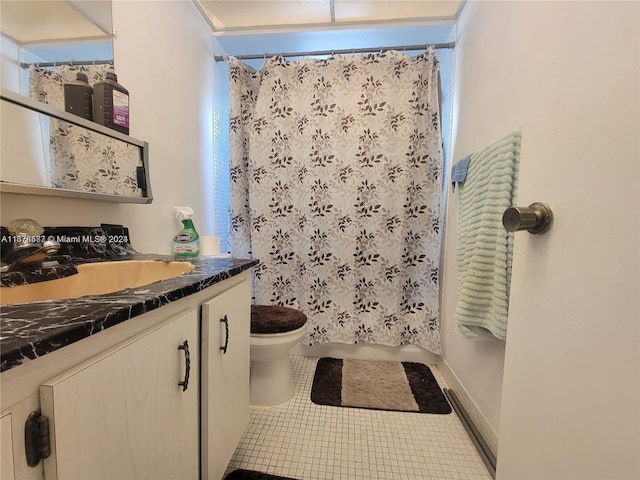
(114, 403)
(225, 377)
(6, 460)
(123, 414)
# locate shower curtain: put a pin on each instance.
(336, 186)
(80, 159)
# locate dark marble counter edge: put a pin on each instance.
(43, 274)
(29, 331)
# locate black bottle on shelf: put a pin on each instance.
(111, 104)
(78, 97)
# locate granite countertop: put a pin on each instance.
(29, 331)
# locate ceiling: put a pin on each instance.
(59, 30)
(49, 21)
(241, 16)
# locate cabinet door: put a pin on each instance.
(123, 413)
(225, 376)
(6, 449)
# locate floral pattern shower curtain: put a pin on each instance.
(80, 159)
(336, 186)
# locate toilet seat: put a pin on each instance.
(274, 319)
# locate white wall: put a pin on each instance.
(564, 396)
(9, 64)
(164, 57)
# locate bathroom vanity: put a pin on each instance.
(149, 382)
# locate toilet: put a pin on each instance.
(274, 332)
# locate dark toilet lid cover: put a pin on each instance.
(275, 319)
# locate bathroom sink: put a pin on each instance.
(96, 279)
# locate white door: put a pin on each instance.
(566, 73)
(123, 413)
(570, 402)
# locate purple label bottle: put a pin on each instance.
(111, 104)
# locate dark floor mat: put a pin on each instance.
(253, 475)
(378, 385)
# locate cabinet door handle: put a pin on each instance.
(226, 336)
(187, 364)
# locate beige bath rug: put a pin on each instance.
(379, 385)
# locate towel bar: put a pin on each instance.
(536, 218)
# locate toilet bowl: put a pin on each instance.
(274, 332)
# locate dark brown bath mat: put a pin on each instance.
(378, 385)
(253, 475)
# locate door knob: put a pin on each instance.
(536, 218)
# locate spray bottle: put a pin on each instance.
(185, 243)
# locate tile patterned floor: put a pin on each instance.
(306, 441)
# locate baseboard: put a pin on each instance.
(488, 458)
(486, 430)
(402, 353)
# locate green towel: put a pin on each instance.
(485, 248)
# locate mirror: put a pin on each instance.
(46, 151)
(52, 31)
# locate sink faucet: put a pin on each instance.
(30, 255)
(28, 248)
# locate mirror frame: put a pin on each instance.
(43, 108)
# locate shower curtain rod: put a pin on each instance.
(437, 46)
(70, 62)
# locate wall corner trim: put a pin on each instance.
(486, 430)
